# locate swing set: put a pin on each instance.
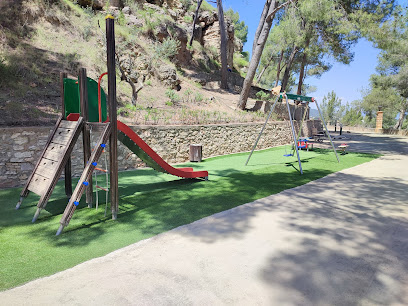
(298, 142)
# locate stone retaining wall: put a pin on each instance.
(392, 131)
(21, 147)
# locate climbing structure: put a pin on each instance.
(52, 161)
(84, 108)
(83, 182)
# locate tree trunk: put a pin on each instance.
(303, 63)
(286, 75)
(223, 49)
(401, 118)
(257, 53)
(301, 74)
(195, 21)
(261, 24)
(259, 43)
(278, 69)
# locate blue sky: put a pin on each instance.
(346, 80)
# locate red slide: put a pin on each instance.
(130, 139)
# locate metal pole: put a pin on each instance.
(293, 134)
(113, 140)
(260, 133)
(327, 131)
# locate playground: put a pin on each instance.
(328, 236)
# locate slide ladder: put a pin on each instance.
(52, 161)
(85, 177)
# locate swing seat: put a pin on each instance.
(287, 155)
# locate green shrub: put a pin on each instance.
(261, 95)
(171, 94)
(187, 4)
(169, 103)
(240, 61)
(213, 51)
(150, 20)
(167, 49)
(198, 97)
(188, 93)
(245, 55)
(121, 19)
(188, 19)
(205, 6)
(87, 32)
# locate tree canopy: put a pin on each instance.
(389, 87)
(308, 35)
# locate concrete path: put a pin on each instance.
(340, 240)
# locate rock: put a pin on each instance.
(155, 2)
(168, 75)
(173, 14)
(18, 148)
(20, 140)
(207, 17)
(26, 167)
(23, 154)
(211, 38)
(132, 20)
(126, 10)
(161, 32)
(99, 4)
(155, 7)
(170, 4)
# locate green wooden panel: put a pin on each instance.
(298, 97)
(71, 99)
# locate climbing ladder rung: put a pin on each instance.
(53, 156)
(102, 188)
(46, 168)
(39, 184)
(68, 124)
(66, 132)
(56, 148)
(61, 139)
(100, 169)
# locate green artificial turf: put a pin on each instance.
(150, 203)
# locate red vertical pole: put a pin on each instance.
(113, 140)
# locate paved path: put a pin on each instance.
(340, 240)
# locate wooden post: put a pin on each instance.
(113, 139)
(68, 167)
(83, 97)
